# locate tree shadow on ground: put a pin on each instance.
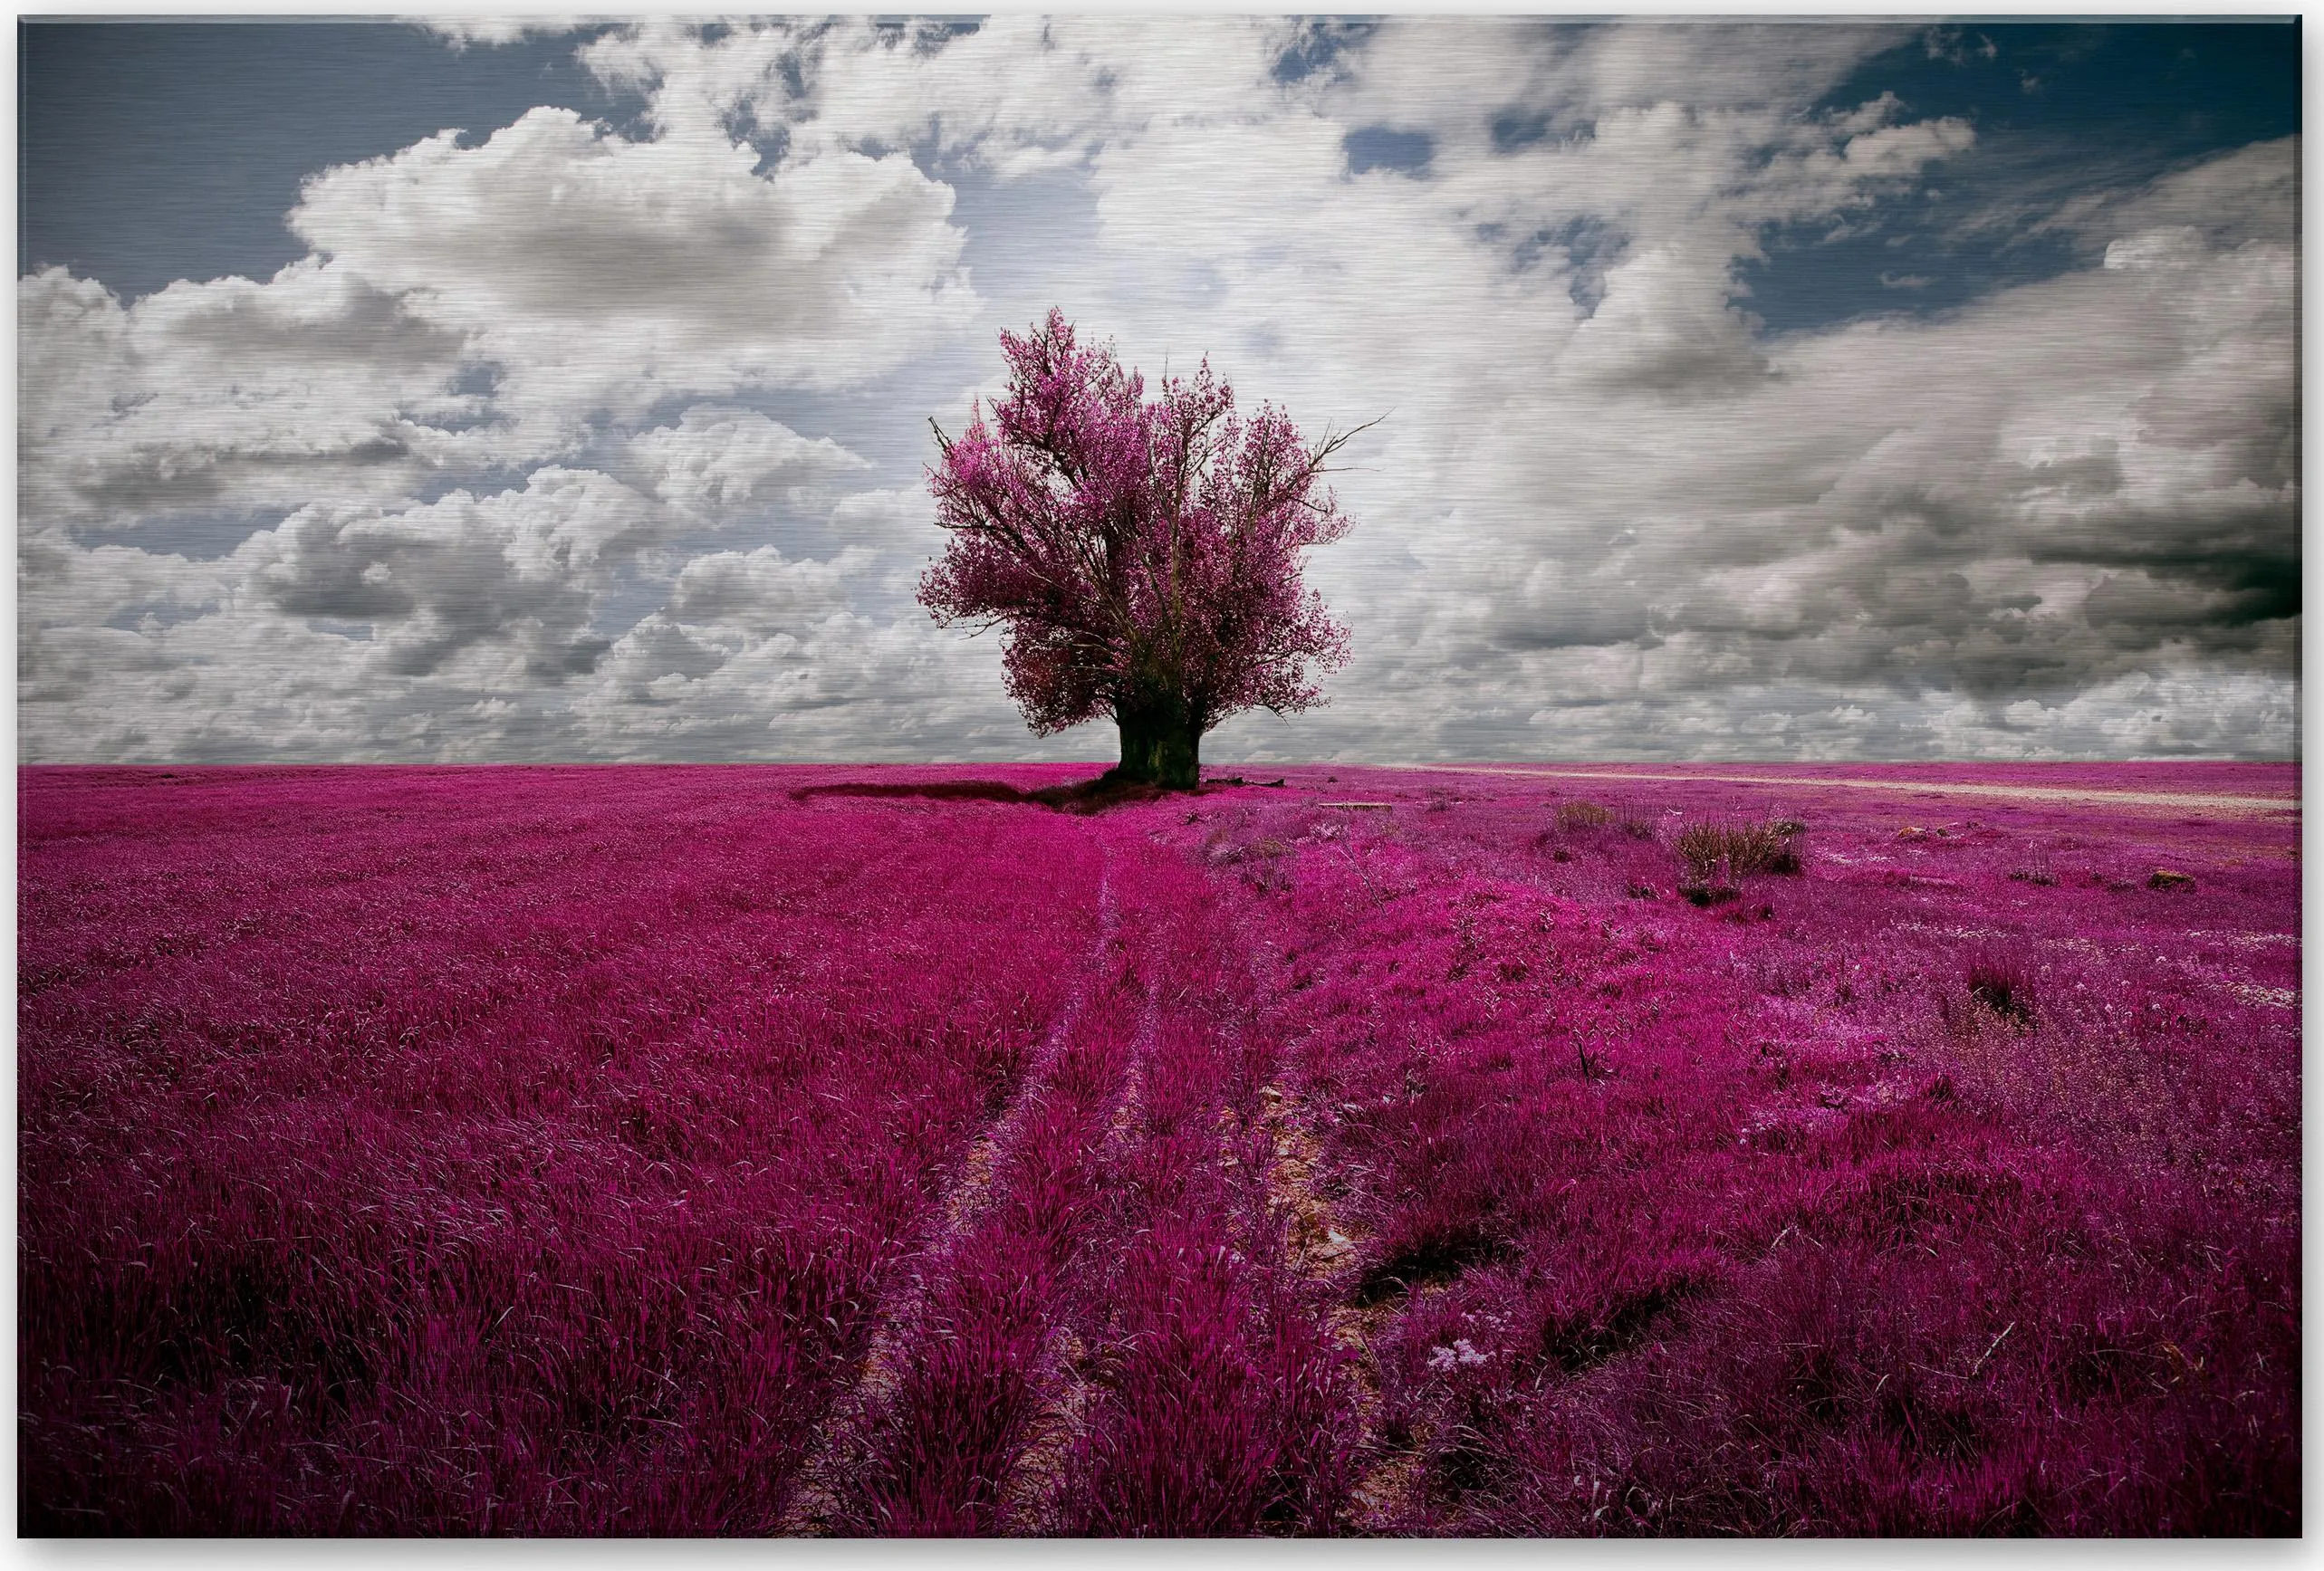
(1088, 796)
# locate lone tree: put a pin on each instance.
(1144, 556)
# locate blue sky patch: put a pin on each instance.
(2060, 112)
(1385, 148)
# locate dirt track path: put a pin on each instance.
(2167, 801)
(849, 1433)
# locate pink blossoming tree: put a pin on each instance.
(1144, 556)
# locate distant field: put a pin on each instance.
(874, 1150)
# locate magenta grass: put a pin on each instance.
(685, 1150)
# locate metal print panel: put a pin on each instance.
(1694, 925)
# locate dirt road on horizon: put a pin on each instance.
(2177, 801)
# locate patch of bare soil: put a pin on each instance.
(1317, 1248)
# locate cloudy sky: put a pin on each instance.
(389, 392)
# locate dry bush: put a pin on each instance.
(1581, 815)
(1717, 852)
(2033, 866)
(2001, 981)
(1760, 848)
(1700, 845)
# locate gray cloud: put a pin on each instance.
(519, 571)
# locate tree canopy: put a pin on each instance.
(1143, 555)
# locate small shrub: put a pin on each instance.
(1701, 845)
(1716, 853)
(1761, 849)
(2035, 869)
(1267, 866)
(1580, 815)
(2000, 981)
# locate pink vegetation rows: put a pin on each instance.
(756, 1150)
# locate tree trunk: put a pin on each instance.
(1160, 745)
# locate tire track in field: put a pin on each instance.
(1032, 1495)
(1316, 1246)
(816, 1506)
(1321, 1246)
(1192, 1024)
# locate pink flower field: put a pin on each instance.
(868, 1151)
